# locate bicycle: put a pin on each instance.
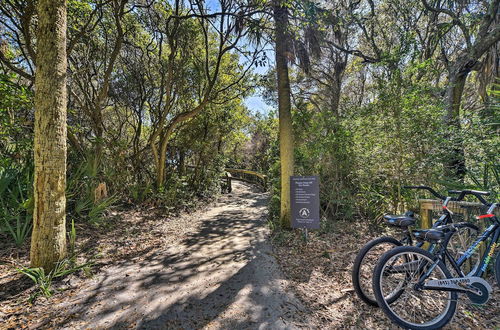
(369, 254)
(427, 291)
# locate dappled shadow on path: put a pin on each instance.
(220, 274)
(14, 287)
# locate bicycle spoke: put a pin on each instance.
(366, 270)
(415, 306)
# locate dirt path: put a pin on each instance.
(221, 275)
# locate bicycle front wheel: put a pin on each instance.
(365, 263)
(400, 269)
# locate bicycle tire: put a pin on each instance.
(368, 297)
(447, 314)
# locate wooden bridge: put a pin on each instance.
(245, 176)
(238, 174)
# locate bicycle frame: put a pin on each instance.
(492, 231)
(444, 219)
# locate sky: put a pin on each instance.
(255, 104)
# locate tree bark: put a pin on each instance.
(455, 164)
(181, 166)
(336, 85)
(160, 177)
(285, 115)
(48, 242)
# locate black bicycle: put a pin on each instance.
(428, 284)
(370, 253)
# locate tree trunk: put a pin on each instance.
(335, 98)
(285, 115)
(336, 86)
(181, 167)
(160, 172)
(455, 164)
(48, 242)
(488, 35)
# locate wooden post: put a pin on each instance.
(229, 182)
(426, 213)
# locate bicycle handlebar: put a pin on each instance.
(470, 192)
(461, 194)
(476, 193)
(432, 191)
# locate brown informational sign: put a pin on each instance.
(304, 192)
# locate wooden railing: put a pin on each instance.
(467, 209)
(238, 174)
(246, 176)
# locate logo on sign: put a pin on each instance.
(304, 212)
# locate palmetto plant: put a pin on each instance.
(43, 281)
(80, 192)
(20, 230)
(16, 203)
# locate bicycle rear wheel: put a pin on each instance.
(365, 263)
(399, 270)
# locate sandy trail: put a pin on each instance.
(220, 275)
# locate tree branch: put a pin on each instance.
(355, 52)
(455, 18)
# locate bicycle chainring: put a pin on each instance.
(479, 299)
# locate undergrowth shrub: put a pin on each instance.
(16, 203)
(44, 281)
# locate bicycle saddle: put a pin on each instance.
(403, 220)
(430, 235)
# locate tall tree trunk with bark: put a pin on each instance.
(48, 242)
(455, 164)
(335, 83)
(285, 115)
